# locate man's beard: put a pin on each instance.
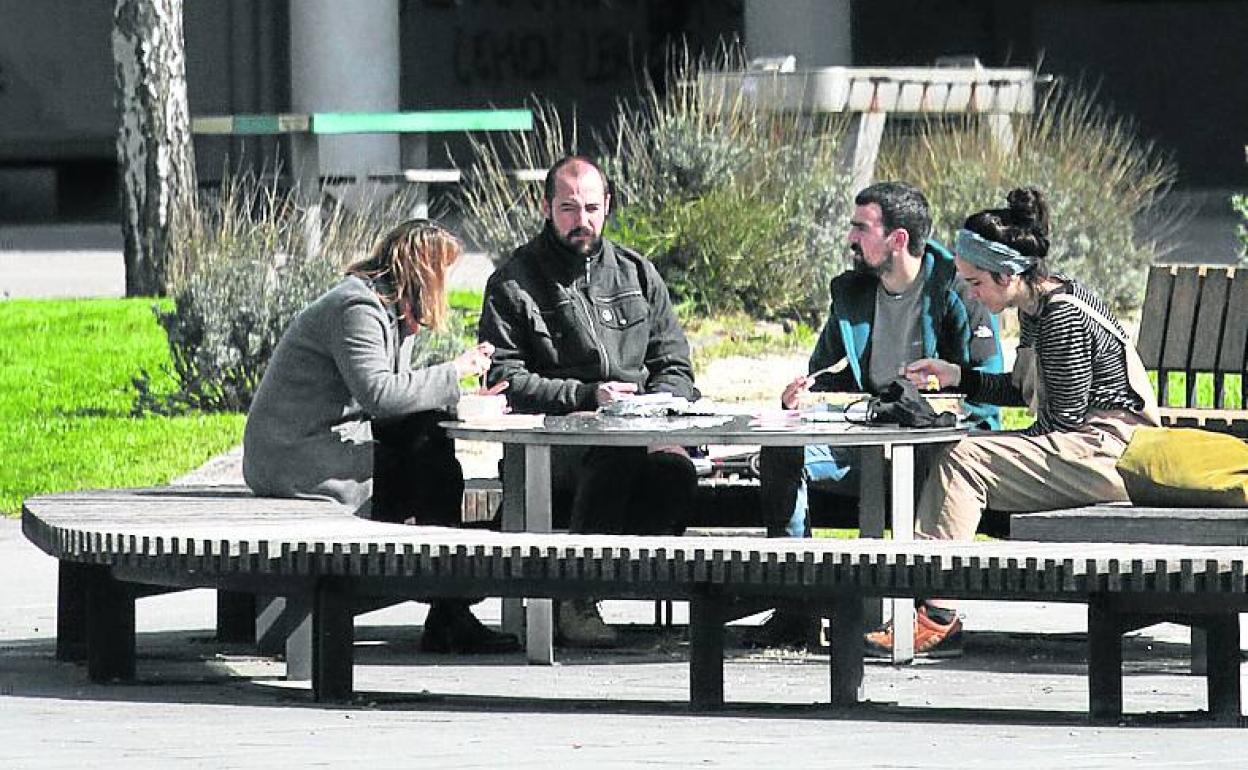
(584, 247)
(860, 264)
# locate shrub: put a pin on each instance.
(1240, 204)
(250, 272)
(1100, 178)
(738, 208)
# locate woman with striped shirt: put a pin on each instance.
(1075, 368)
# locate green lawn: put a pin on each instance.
(65, 396)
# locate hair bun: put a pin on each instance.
(1028, 208)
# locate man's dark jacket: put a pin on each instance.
(561, 323)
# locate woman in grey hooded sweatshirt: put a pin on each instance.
(341, 415)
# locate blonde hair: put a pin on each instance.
(413, 260)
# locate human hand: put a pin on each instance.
(613, 391)
(932, 374)
(794, 390)
(474, 361)
(492, 390)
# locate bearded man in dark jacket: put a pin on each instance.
(576, 322)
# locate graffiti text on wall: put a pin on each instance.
(550, 54)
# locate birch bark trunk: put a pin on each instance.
(154, 139)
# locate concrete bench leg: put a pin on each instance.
(1222, 662)
(284, 627)
(1105, 629)
(333, 640)
(236, 617)
(110, 628)
(73, 582)
(706, 651)
(847, 651)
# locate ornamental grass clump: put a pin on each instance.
(1240, 204)
(1101, 180)
(501, 211)
(739, 210)
(249, 270)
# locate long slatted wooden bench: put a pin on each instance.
(125, 543)
(275, 625)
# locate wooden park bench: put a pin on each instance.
(1194, 334)
(115, 546)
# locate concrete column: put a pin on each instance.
(816, 31)
(344, 57)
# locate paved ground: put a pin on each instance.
(84, 260)
(1016, 699)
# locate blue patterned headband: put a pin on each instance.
(990, 255)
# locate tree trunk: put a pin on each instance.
(153, 140)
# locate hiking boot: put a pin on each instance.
(580, 625)
(450, 627)
(785, 629)
(931, 639)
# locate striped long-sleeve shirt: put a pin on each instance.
(1083, 367)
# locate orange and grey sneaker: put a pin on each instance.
(932, 639)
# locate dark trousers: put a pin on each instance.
(629, 491)
(780, 482)
(416, 476)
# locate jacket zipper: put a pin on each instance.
(589, 318)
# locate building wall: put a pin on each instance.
(579, 55)
(58, 118)
(56, 107)
(1176, 67)
(237, 60)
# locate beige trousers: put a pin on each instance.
(1013, 473)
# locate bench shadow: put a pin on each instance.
(180, 667)
(1062, 654)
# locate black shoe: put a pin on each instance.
(785, 629)
(451, 627)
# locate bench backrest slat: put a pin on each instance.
(1194, 322)
(1234, 354)
(1184, 298)
(1210, 315)
(1152, 336)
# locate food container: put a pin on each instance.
(476, 406)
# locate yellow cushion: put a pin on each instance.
(1185, 467)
